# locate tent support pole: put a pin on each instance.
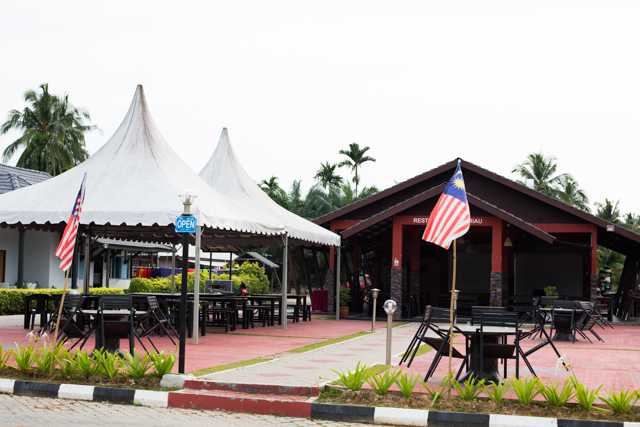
(87, 263)
(338, 287)
(285, 283)
(173, 267)
(210, 263)
(196, 287)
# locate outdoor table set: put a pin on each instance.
(570, 318)
(492, 336)
(113, 319)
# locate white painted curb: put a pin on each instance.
(151, 398)
(399, 416)
(6, 386)
(519, 421)
(77, 392)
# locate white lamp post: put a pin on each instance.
(390, 307)
(374, 294)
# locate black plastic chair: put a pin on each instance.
(500, 350)
(476, 312)
(432, 317)
(416, 340)
(72, 321)
(586, 321)
(40, 308)
(566, 319)
(593, 312)
(121, 328)
(537, 317)
(153, 321)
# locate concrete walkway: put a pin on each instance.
(314, 367)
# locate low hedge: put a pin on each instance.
(12, 300)
(250, 274)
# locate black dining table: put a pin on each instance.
(562, 324)
(492, 334)
(111, 345)
(301, 300)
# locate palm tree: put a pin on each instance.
(328, 177)
(52, 133)
(571, 194)
(609, 212)
(274, 191)
(631, 222)
(356, 159)
(348, 195)
(542, 171)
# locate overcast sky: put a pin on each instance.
(420, 82)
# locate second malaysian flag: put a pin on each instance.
(68, 242)
(450, 218)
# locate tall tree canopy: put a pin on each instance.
(356, 157)
(542, 170)
(52, 133)
(608, 211)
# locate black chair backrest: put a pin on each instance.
(476, 311)
(441, 315)
(72, 301)
(153, 303)
(498, 318)
(584, 305)
(427, 314)
(116, 302)
(570, 305)
(536, 301)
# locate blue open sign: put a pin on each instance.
(186, 224)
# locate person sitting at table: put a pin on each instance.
(243, 290)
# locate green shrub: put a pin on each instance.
(382, 382)
(249, 273)
(163, 284)
(12, 300)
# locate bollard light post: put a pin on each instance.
(374, 294)
(390, 307)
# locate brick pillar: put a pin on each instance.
(593, 286)
(497, 282)
(396, 290)
(330, 285)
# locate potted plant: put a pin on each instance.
(345, 300)
(551, 293)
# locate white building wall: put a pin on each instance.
(9, 243)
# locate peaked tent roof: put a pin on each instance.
(225, 173)
(133, 183)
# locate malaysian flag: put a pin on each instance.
(450, 218)
(68, 242)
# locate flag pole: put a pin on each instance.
(453, 293)
(55, 335)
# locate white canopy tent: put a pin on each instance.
(225, 173)
(132, 192)
(133, 184)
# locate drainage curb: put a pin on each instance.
(320, 411)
